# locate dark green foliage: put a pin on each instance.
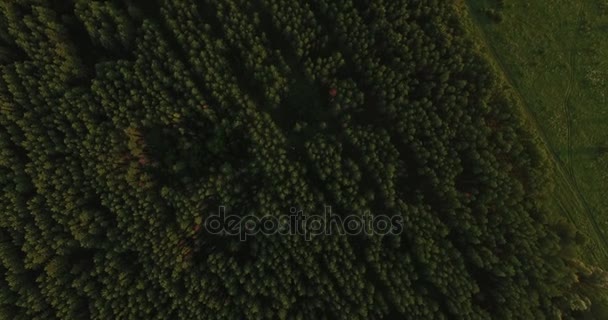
(601, 149)
(494, 14)
(124, 124)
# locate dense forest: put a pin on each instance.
(124, 124)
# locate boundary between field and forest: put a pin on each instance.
(567, 196)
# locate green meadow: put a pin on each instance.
(555, 56)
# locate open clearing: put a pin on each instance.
(554, 56)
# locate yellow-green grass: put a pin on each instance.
(554, 53)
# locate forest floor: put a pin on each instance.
(555, 57)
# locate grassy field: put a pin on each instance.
(554, 54)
